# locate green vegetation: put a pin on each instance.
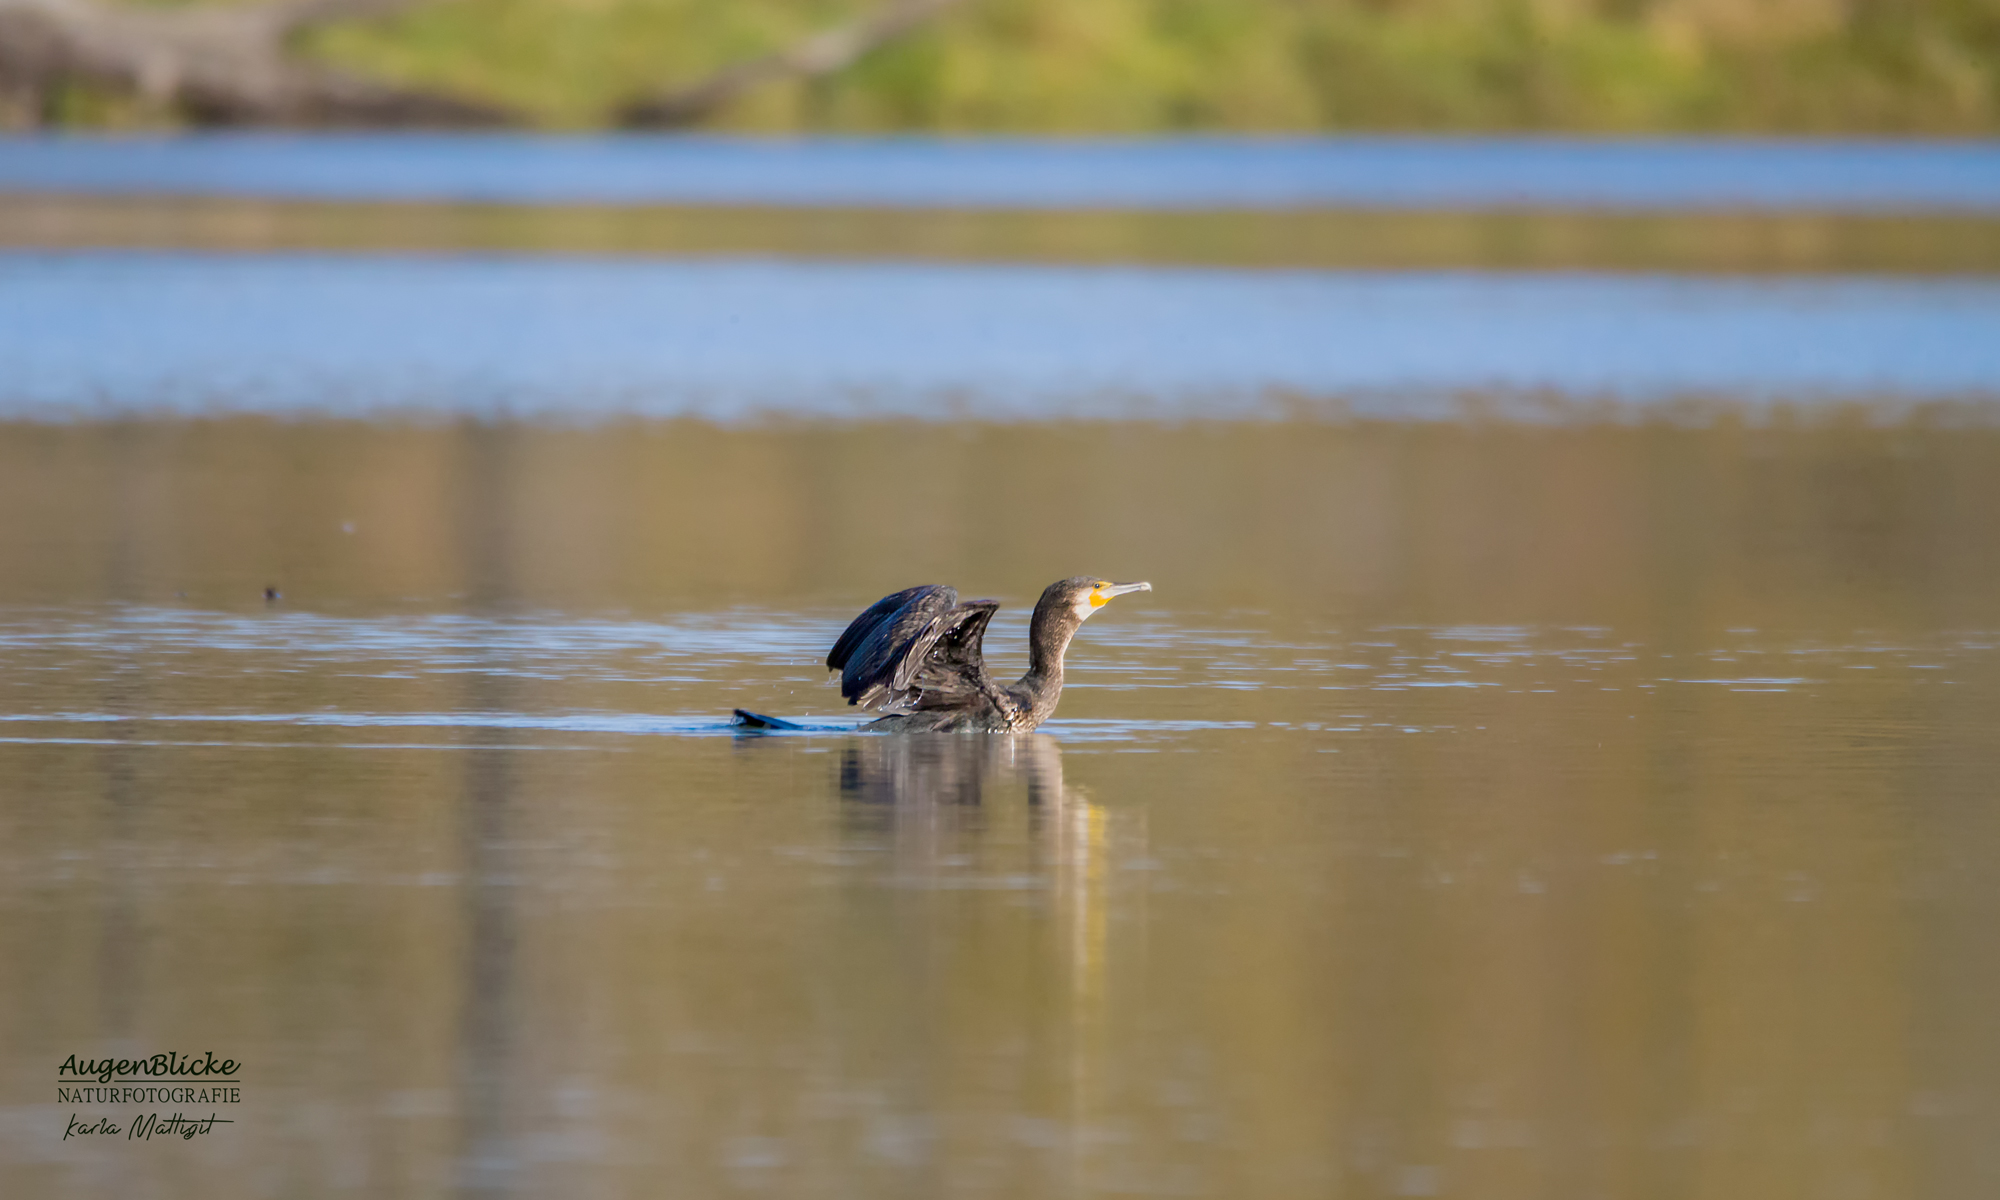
(1804, 66)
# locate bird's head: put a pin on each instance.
(1083, 595)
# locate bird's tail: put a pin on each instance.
(748, 720)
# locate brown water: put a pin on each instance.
(1471, 811)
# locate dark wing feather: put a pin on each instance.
(882, 610)
(917, 649)
(873, 651)
(953, 673)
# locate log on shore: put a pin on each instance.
(208, 66)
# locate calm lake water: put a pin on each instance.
(1486, 811)
(1557, 760)
(921, 172)
(112, 332)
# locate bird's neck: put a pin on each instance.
(1048, 638)
(1044, 677)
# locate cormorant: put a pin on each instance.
(917, 656)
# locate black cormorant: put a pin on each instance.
(917, 656)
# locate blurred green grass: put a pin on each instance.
(1134, 66)
(1702, 242)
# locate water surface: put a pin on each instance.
(107, 333)
(1488, 811)
(1557, 759)
(1168, 173)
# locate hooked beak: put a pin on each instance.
(1119, 589)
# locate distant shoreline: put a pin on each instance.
(1324, 239)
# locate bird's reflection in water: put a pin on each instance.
(932, 770)
(943, 805)
(938, 800)
(940, 804)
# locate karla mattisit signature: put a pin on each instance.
(144, 1128)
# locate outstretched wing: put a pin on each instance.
(886, 610)
(919, 648)
(952, 673)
